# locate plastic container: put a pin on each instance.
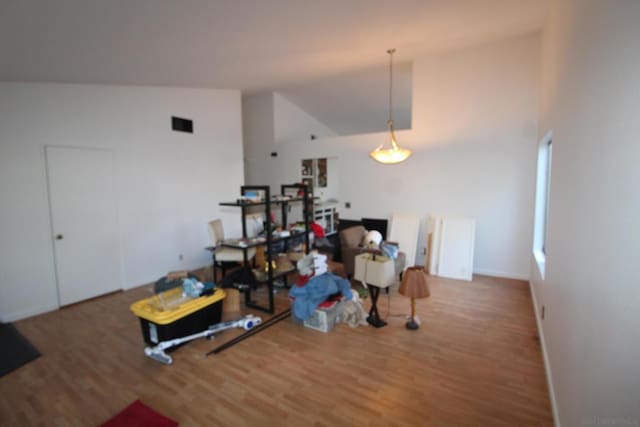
(169, 315)
(324, 319)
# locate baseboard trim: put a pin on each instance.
(503, 274)
(12, 317)
(545, 357)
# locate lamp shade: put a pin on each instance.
(414, 283)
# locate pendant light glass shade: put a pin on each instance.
(395, 153)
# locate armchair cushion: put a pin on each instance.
(352, 237)
(350, 244)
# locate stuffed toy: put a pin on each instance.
(305, 270)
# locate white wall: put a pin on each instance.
(270, 123)
(258, 130)
(474, 139)
(292, 124)
(169, 183)
(357, 102)
(590, 98)
(258, 125)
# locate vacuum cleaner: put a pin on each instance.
(157, 352)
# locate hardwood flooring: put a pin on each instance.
(475, 360)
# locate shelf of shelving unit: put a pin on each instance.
(269, 239)
(262, 276)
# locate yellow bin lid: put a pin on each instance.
(169, 306)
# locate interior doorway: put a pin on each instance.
(322, 177)
(84, 224)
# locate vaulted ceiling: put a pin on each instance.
(250, 45)
(327, 56)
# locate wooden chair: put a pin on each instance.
(222, 256)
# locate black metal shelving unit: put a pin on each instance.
(245, 243)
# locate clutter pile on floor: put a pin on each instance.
(321, 299)
(182, 310)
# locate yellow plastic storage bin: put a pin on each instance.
(169, 315)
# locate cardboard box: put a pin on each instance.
(175, 275)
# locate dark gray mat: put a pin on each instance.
(15, 350)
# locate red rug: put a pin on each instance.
(139, 415)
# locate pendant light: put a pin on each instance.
(395, 153)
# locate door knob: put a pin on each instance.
(59, 237)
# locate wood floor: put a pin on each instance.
(476, 360)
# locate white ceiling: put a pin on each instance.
(252, 45)
(357, 102)
(243, 44)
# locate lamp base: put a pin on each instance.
(412, 324)
(376, 322)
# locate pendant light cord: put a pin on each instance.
(395, 153)
(391, 85)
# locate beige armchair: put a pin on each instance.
(351, 245)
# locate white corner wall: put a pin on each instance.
(474, 140)
(292, 123)
(258, 125)
(270, 123)
(590, 99)
(169, 183)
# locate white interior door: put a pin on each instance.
(84, 222)
(457, 238)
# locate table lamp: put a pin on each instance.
(414, 285)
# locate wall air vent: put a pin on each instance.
(181, 125)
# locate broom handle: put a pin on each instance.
(250, 332)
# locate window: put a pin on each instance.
(543, 192)
(546, 196)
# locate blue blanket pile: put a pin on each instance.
(317, 290)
